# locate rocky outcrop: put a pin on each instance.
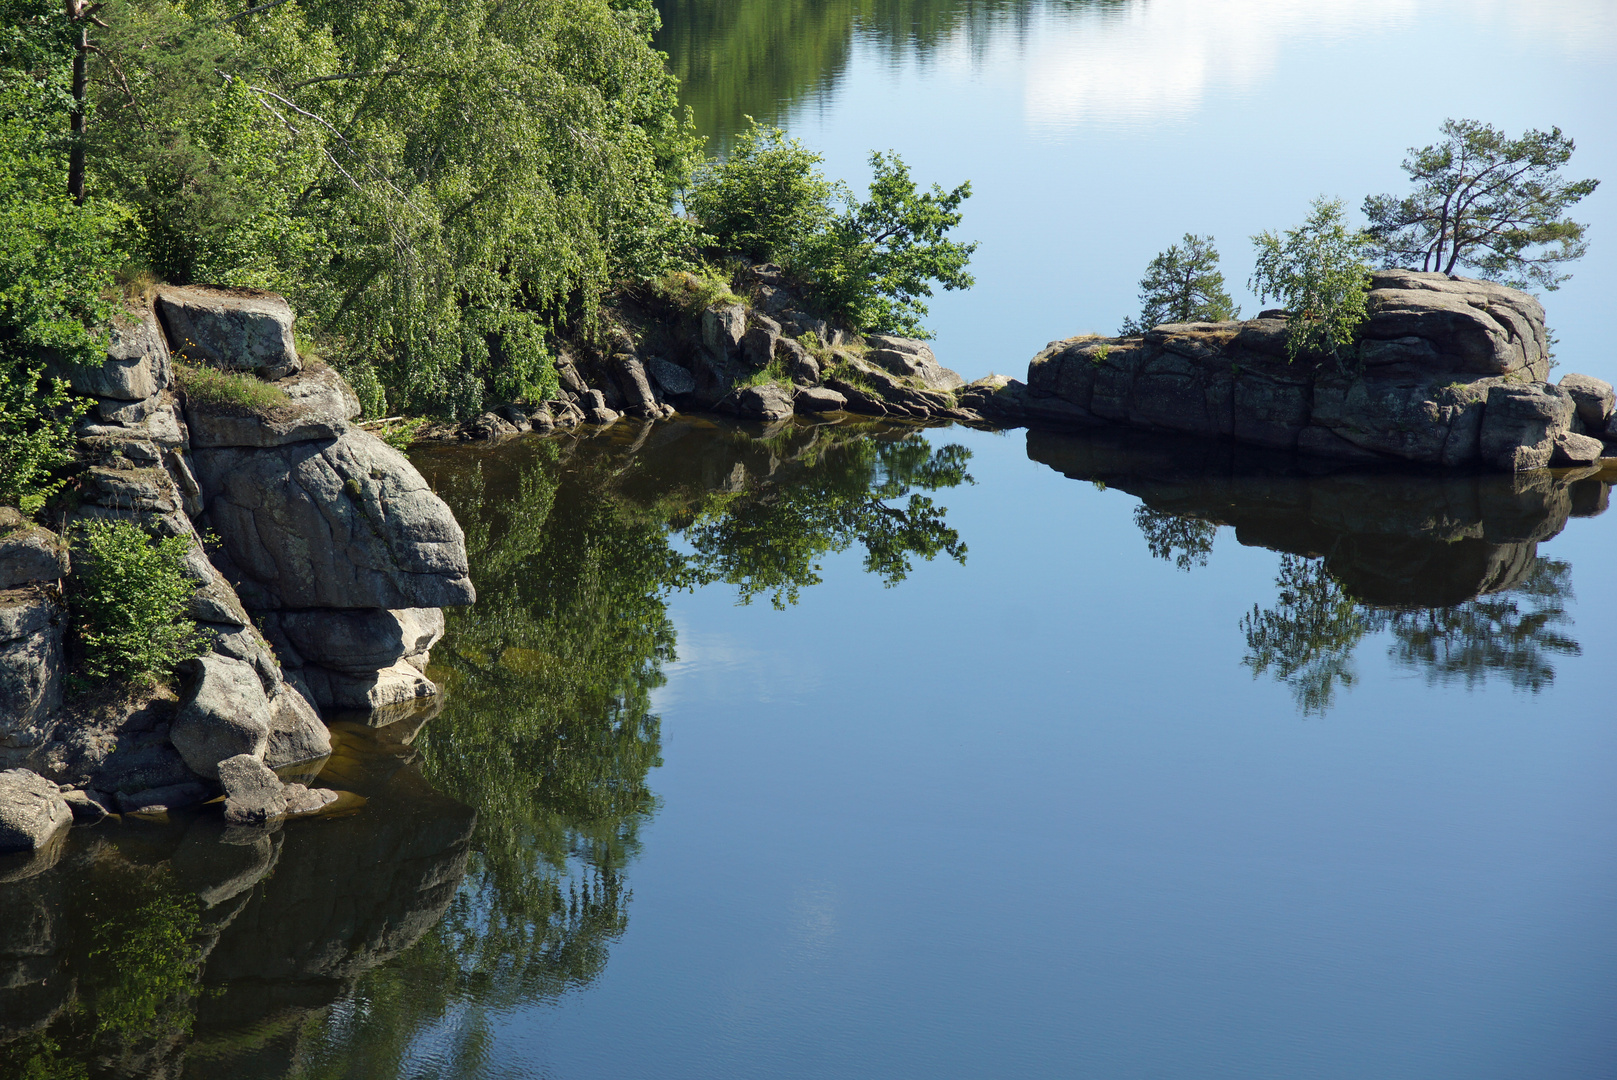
(320, 527)
(1448, 371)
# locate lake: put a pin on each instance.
(853, 749)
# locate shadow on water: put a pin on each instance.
(1445, 565)
(487, 867)
(760, 58)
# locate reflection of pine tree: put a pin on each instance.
(1512, 633)
(1177, 538)
(1308, 636)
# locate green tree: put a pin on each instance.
(131, 597)
(57, 260)
(876, 261)
(1487, 201)
(1183, 285)
(1316, 270)
(765, 199)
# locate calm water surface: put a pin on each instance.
(845, 750)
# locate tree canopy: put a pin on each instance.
(1316, 270)
(1486, 201)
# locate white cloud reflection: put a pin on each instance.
(1157, 60)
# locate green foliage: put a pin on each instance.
(879, 257)
(56, 262)
(439, 187)
(1183, 285)
(238, 392)
(695, 290)
(1316, 270)
(763, 201)
(772, 372)
(131, 594)
(1308, 637)
(1485, 201)
(399, 434)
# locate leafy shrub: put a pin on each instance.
(130, 598)
(765, 199)
(1318, 272)
(228, 391)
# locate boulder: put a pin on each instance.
(800, 365)
(157, 421)
(815, 399)
(596, 411)
(342, 524)
(136, 366)
(31, 670)
(674, 380)
(758, 344)
(723, 327)
(908, 358)
(1520, 424)
(295, 731)
(1593, 399)
(360, 640)
(770, 401)
(1476, 327)
(28, 552)
(32, 811)
(253, 794)
(632, 380)
(393, 685)
(1574, 449)
(489, 427)
(226, 713)
(306, 800)
(238, 329)
(85, 808)
(321, 405)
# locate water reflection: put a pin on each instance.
(1446, 566)
(488, 866)
(760, 58)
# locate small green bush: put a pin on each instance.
(765, 199)
(130, 598)
(228, 391)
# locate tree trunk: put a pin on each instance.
(75, 160)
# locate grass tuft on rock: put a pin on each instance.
(228, 391)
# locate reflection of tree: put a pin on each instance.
(1180, 539)
(1308, 637)
(1512, 634)
(760, 58)
(771, 542)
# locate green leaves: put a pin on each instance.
(763, 201)
(1317, 272)
(1183, 285)
(131, 597)
(880, 257)
(1485, 201)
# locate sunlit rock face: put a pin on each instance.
(1446, 371)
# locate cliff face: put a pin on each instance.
(322, 591)
(1449, 371)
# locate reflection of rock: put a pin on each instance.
(1390, 538)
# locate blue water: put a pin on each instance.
(1032, 817)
